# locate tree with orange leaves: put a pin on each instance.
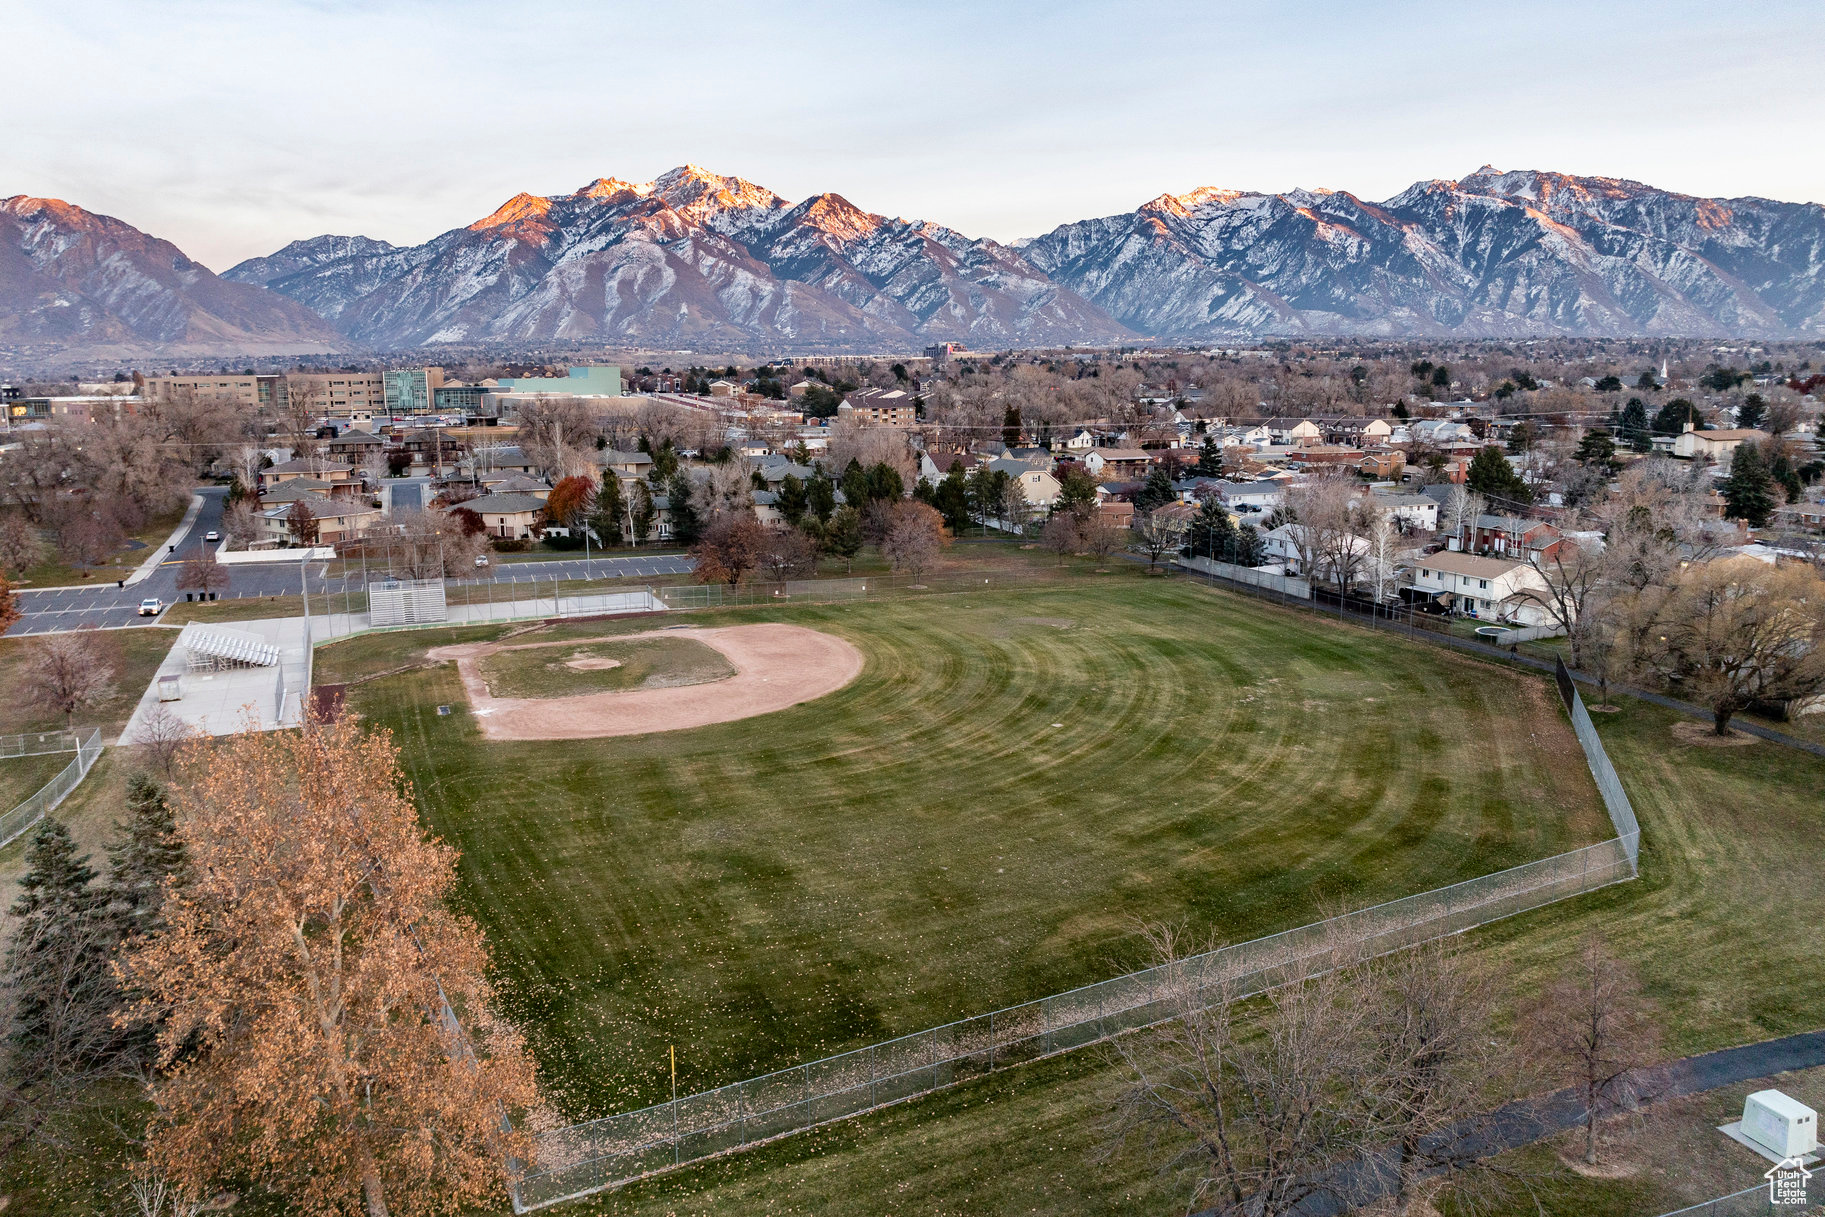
(568, 502)
(327, 1026)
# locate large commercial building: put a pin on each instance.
(411, 390)
(248, 390)
(595, 381)
(337, 393)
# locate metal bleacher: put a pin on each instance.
(212, 649)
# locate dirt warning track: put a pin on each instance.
(776, 666)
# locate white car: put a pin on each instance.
(481, 559)
(212, 535)
(151, 606)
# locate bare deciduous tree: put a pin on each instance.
(200, 572)
(160, 737)
(20, 548)
(241, 524)
(915, 535)
(1591, 1029)
(68, 672)
(1062, 535)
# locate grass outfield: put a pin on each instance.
(567, 671)
(1726, 857)
(1016, 781)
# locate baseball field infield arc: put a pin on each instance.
(776, 666)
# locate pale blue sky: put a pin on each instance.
(234, 126)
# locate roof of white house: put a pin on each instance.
(1472, 565)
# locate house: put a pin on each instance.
(337, 520)
(775, 469)
(1293, 431)
(322, 470)
(508, 516)
(625, 465)
(1512, 536)
(721, 388)
(1116, 511)
(1283, 545)
(1806, 517)
(1413, 512)
(1039, 486)
(1715, 446)
(879, 407)
(1493, 589)
(1111, 464)
(1250, 498)
(1322, 454)
(935, 466)
(355, 446)
(1382, 463)
(520, 483)
(1355, 432)
(1174, 520)
(1439, 431)
(293, 489)
(501, 459)
(1083, 441)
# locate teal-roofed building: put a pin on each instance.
(594, 381)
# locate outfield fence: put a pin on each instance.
(87, 748)
(600, 1154)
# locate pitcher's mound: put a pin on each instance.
(775, 665)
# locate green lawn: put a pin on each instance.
(54, 571)
(569, 670)
(21, 777)
(1016, 781)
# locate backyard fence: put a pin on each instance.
(87, 748)
(1750, 1202)
(1286, 585)
(599, 1154)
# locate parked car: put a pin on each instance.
(151, 606)
(481, 559)
(212, 535)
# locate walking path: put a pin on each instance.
(1523, 1123)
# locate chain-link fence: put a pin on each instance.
(87, 748)
(1615, 799)
(599, 1154)
(39, 743)
(1753, 1202)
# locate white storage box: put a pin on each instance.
(1784, 1125)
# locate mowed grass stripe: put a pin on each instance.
(924, 845)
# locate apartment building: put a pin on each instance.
(885, 407)
(336, 393)
(253, 391)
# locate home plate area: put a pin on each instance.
(636, 684)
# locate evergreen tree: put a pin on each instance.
(1210, 458)
(844, 536)
(686, 526)
(145, 851)
(642, 514)
(1596, 448)
(1077, 493)
(1753, 410)
(792, 500)
(1671, 419)
(1156, 492)
(57, 965)
(609, 511)
(1010, 427)
(1781, 469)
(665, 465)
(1633, 426)
(1749, 490)
(854, 484)
(884, 482)
(1491, 475)
(1212, 533)
(952, 499)
(1250, 550)
(820, 496)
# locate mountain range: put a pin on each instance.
(697, 260)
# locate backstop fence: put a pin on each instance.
(86, 746)
(599, 1154)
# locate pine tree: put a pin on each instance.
(1213, 534)
(820, 496)
(1753, 410)
(686, 527)
(1597, 447)
(1749, 490)
(608, 511)
(145, 851)
(1210, 458)
(1633, 427)
(1492, 475)
(1156, 492)
(57, 965)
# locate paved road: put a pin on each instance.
(104, 606)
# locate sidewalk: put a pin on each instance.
(144, 570)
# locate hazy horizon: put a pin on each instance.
(233, 130)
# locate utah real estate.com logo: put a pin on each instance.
(1787, 1181)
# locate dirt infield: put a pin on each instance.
(776, 666)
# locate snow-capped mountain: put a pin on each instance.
(1492, 254)
(76, 282)
(690, 259)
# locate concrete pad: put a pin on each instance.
(1735, 1132)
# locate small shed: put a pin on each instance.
(1783, 1124)
(171, 687)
